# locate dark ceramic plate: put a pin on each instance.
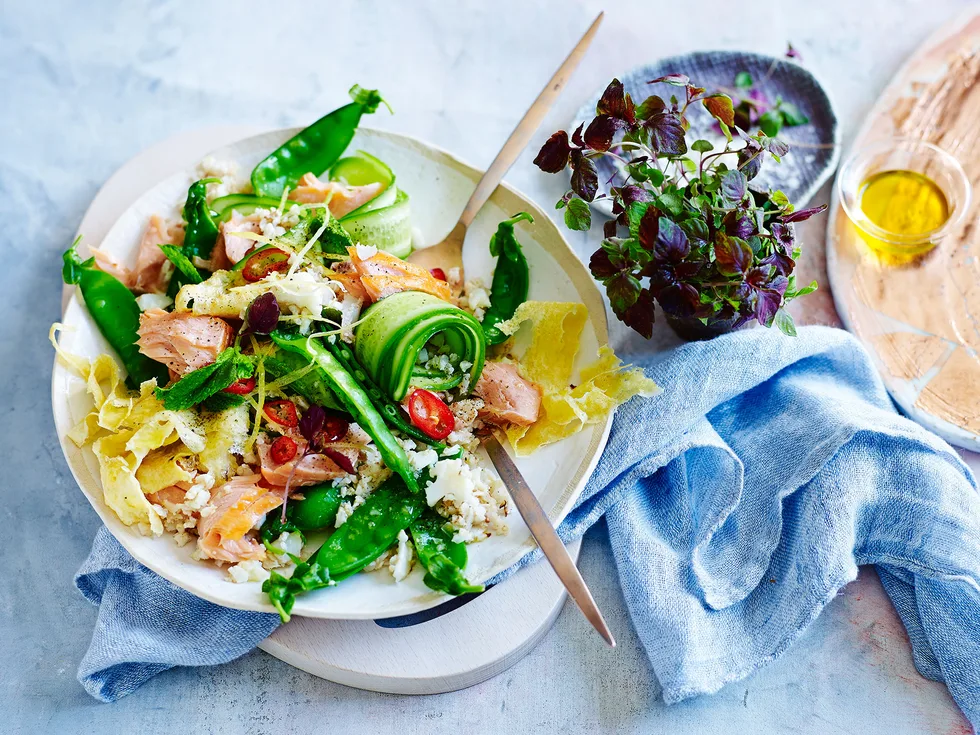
(809, 163)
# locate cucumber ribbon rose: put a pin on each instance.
(394, 331)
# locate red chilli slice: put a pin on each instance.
(241, 387)
(431, 414)
(282, 412)
(263, 262)
(282, 450)
(439, 273)
(340, 459)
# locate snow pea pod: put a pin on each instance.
(511, 278)
(443, 558)
(200, 232)
(354, 399)
(371, 528)
(116, 313)
(315, 148)
(316, 510)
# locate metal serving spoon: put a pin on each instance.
(449, 253)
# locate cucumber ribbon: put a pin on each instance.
(393, 332)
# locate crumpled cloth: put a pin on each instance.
(738, 502)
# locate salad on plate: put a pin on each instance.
(293, 398)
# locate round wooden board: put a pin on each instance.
(921, 321)
(450, 647)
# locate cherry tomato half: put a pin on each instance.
(282, 450)
(263, 262)
(439, 273)
(430, 414)
(241, 387)
(335, 428)
(282, 412)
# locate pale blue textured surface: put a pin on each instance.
(86, 86)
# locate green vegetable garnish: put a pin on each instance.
(200, 232)
(371, 528)
(443, 558)
(199, 385)
(510, 278)
(393, 332)
(354, 399)
(315, 148)
(116, 313)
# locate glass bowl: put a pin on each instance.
(903, 154)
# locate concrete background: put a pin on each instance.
(84, 87)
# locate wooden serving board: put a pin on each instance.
(921, 321)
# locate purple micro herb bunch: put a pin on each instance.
(689, 231)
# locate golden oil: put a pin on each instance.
(904, 204)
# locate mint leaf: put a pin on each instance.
(578, 216)
(222, 401)
(199, 385)
(182, 263)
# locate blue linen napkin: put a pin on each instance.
(765, 458)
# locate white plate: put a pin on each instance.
(439, 185)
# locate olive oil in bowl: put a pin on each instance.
(904, 203)
(903, 197)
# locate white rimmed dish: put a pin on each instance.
(439, 185)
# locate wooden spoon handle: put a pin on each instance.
(521, 136)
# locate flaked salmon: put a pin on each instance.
(311, 469)
(235, 246)
(182, 341)
(236, 508)
(508, 398)
(342, 199)
(152, 271)
(383, 274)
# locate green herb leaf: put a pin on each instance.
(781, 200)
(671, 201)
(221, 401)
(578, 216)
(701, 146)
(199, 385)
(803, 291)
(743, 80)
(785, 323)
(650, 107)
(792, 116)
(182, 263)
(771, 123)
